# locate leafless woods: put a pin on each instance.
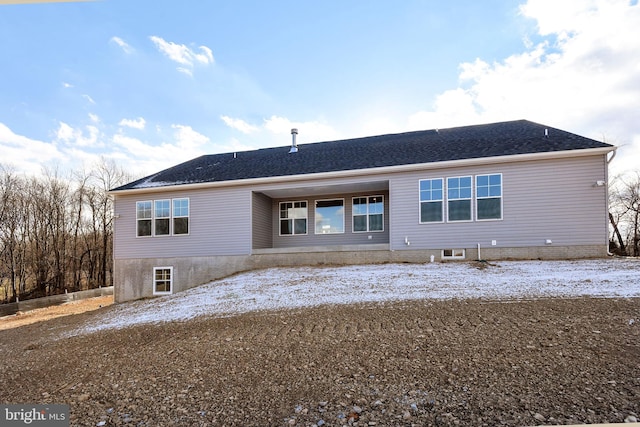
(56, 232)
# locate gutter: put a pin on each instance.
(374, 171)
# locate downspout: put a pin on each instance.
(606, 198)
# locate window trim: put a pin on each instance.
(315, 216)
(470, 199)
(293, 229)
(453, 254)
(150, 219)
(442, 200)
(367, 215)
(156, 218)
(501, 197)
(155, 281)
(171, 217)
(174, 216)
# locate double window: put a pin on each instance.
(293, 218)
(459, 200)
(431, 200)
(489, 196)
(368, 214)
(162, 217)
(162, 280)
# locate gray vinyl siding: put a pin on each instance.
(346, 238)
(261, 211)
(543, 199)
(550, 199)
(219, 224)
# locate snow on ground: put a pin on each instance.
(297, 287)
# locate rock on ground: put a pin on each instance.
(554, 361)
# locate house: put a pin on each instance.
(511, 190)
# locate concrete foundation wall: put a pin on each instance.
(133, 278)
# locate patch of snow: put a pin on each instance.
(150, 183)
(297, 287)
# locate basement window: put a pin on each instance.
(162, 280)
(453, 254)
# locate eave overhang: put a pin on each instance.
(372, 171)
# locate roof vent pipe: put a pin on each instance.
(294, 144)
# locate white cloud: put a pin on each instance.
(239, 124)
(94, 118)
(124, 45)
(275, 131)
(142, 157)
(583, 77)
(88, 98)
(76, 137)
(25, 154)
(188, 139)
(311, 131)
(184, 55)
(138, 123)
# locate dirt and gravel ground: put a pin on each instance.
(472, 362)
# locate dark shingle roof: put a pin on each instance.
(468, 142)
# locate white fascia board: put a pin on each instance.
(375, 171)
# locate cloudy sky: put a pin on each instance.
(154, 83)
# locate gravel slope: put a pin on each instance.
(411, 362)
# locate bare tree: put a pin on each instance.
(56, 233)
(625, 213)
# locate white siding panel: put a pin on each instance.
(261, 221)
(219, 224)
(545, 199)
(552, 199)
(346, 238)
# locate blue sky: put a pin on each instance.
(154, 83)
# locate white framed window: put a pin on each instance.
(459, 198)
(329, 216)
(180, 216)
(162, 217)
(143, 218)
(293, 218)
(431, 200)
(368, 213)
(162, 280)
(453, 254)
(489, 197)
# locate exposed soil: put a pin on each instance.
(554, 361)
(48, 313)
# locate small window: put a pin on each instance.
(162, 214)
(453, 254)
(293, 218)
(368, 214)
(330, 216)
(162, 280)
(431, 200)
(143, 218)
(459, 198)
(180, 216)
(489, 197)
